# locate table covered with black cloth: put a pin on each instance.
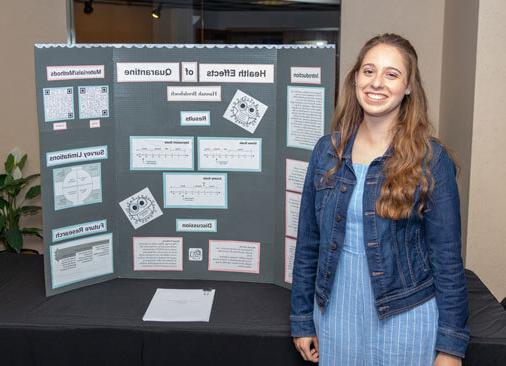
(488, 325)
(102, 324)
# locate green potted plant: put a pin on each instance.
(15, 190)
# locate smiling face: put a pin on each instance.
(382, 82)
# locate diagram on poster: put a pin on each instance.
(290, 244)
(77, 185)
(228, 153)
(234, 256)
(194, 190)
(161, 153)
(58, 104)
(292, 213)
(306, 116)
(295, 175)
(158, 254)
(141, 208)
(93, 101)
(245, 111)
(81, 259)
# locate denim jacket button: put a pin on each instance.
(344, 188)
(327, 274)
(338, 218)
(333, 246)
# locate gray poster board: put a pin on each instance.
(204, 146)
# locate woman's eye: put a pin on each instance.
(368, 72)
(392, 75)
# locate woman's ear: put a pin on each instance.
(355, 78)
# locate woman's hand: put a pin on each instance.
(445, 359)
(303, 345)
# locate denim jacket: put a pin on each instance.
(410, 260)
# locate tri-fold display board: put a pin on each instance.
(176, 161)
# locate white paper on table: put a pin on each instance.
(180, 305)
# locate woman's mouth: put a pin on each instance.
(375, 97)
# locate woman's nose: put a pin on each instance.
(377, 82)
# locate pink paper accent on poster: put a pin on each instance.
(290, 244)
(234, 256)
(292, 206)
(158, 254)
(295, 174)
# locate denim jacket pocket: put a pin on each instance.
(420, 250)
(323, 189)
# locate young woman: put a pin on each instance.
(378, 277)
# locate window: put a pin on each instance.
(206, 21)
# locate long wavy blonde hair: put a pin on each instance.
(408, 166)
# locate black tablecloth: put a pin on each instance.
(102, 324)
(488, 325)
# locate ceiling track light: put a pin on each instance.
(88, 7)
(157, 12)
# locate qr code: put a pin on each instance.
(93, 102)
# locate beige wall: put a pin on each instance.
(457, 91)
(23, 23)
(419, 21)
(486, 236)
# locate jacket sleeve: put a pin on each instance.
(442, 234)
(306, 258)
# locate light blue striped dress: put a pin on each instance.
(349, 331)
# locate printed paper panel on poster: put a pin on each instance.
(194, 93)
(77, 185)
(236, 73)
(290, 244)
(74, 72)
(305, 75)
(230, 153)
(195, 118)
(75, 231)
(83, 154)
(305, 116)
(234, 256)
(81, 259)
(59, 126)
(197, 225)
(158, 253)
(189, 72)
(128, 72)
(295, 175)
(195, 190)
(292, 207)
(161, 153)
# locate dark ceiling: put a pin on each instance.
(230, 5)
